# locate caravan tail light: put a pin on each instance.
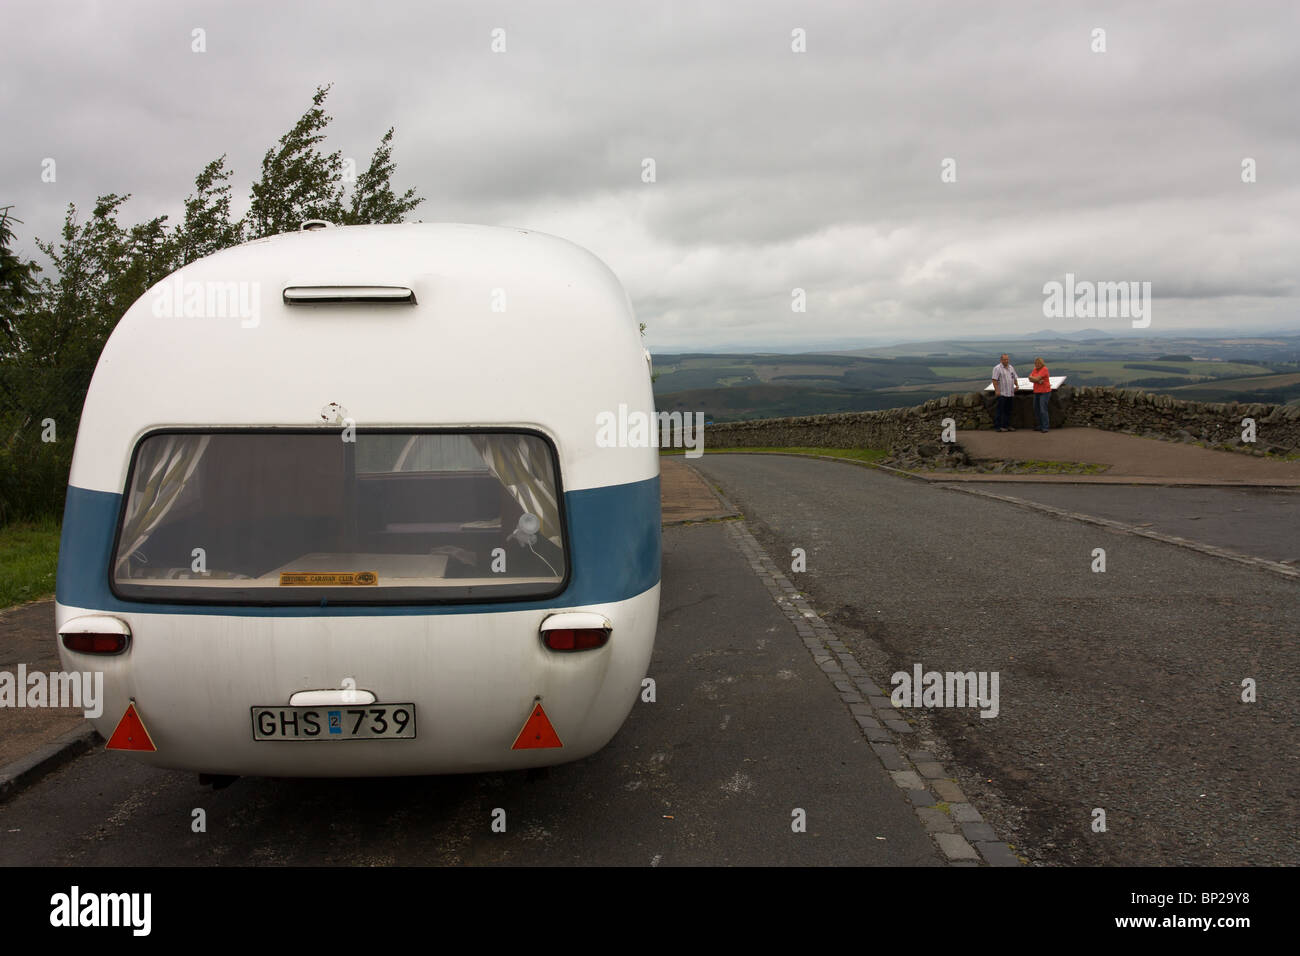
(575, 639)
(97, 634)
(575, 631)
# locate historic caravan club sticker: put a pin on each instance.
(328, 579)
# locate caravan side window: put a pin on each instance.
(276, 517)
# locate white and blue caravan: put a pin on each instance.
(337, 508)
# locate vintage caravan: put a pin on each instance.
(337, 508)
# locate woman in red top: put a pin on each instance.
(1041, 378)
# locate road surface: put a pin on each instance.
(1120, 690)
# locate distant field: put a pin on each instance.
(1113, 373)
(1256, 383)
(970, 385)
(683, 379)
(777, 401)
(855, 375)
(768, 372)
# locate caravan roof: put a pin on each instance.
(447, 325)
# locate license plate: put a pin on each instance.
(372, 722)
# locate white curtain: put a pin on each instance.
(167, 464)
(522, 465)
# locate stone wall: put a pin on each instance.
(1115, 409)
(1277, 427)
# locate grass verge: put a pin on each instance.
(869, 455)
(1030, 467)
(29, 552)
(1036, 467)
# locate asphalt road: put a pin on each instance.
(1119, 691)
(745, 728)
(1263, 522)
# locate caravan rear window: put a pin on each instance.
(297, 518)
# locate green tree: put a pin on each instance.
(373, 199)
(208, 227)
(17, 283)
(298, 182)
(101, 268)
(32, 472)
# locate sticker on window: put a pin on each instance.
(328, 579)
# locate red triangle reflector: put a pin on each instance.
(537, 733)
(130, 733)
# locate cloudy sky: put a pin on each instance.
(774, 169)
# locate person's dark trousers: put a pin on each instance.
(1040, 409)
(1002, 418)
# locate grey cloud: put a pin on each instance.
(774, 169)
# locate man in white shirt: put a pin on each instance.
(1004, 390)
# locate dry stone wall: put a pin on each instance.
(1277, 427)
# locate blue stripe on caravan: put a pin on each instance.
(614, 549)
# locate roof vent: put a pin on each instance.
(305, 294)
(311, 225)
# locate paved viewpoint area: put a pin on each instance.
(1131, 460)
